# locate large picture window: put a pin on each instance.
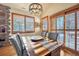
(70, 30)
(22, 23)
(67, 27)
(57, 26)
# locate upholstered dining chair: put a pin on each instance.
(53, 36)
(19, 46)
(44, 33)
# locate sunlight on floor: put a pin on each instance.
(61, 53)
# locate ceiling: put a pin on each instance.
(48, 8)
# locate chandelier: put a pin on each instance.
(35, 9)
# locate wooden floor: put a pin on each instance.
(10, 51)
(64, 53)
(7, 51)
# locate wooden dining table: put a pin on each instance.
(43, 47)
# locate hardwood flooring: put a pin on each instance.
(7, 51)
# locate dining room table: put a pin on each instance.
(42, 46)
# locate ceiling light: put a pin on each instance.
(35, 9)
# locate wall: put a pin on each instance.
(53, 8)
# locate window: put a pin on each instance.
(60, 22)
(18, 23)
(70, 39)
(70, 21)
(70, 30)
(60, 28)
(22, 23)
(60, 36)
(29, 24)
(44, 23)
(68, 27)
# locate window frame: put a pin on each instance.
(71, 30)
(72, 9)
(77, 30)
(12, 28)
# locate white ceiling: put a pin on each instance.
(48, 8)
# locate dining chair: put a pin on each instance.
(53, 36)
(27, 48)
(19, 46)
(44, 33)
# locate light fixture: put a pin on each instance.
(35, 9)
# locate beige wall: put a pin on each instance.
(53, 8)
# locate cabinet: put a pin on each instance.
(4, 16)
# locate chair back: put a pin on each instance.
(43, 34)
(18, 45)
(22, 45)
(27, 50)
(53, 36)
